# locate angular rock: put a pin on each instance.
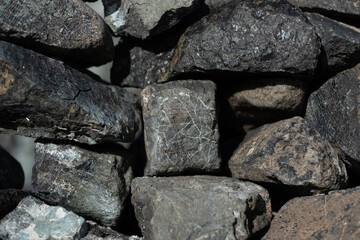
(267, 100)
(334, 111)
(199, 207)
(180, 124)
(290, 153)
(11, 172)
(92, 183)
(9, 199)
(97, 232)
(69, 30)
(33, 219)
(62, 102)
(333, 216)
(248, 36)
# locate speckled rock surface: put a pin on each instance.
(69, 30)
(289, 153)
(11, 172)
(93, 184)
(62, 102)
(9, 199)
(181, 131)
(97, 232)
(199, 207)
(35, 220)
(334, 216)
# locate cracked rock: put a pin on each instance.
(199, 207)
(11, 172)
(332, 216)
(62, 102)
(290, 153)
(247, 36)
(181, 128)
(33, 219)
(9, 199)
(92, 183)
(69, 30)
(334, 111)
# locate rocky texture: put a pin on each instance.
(33, 219)
(333, 216)
(69, 30)
(97, 232)
(290, 153)
(93, 184)
(11, 172)
(248, 36)
(266, 100)
(62, 102)
(199, 207)
(9, 199)
(110, 6)
(333, 110)
(180, 124)
(341, 43)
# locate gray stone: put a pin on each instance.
(290, 153)
(334, 111)
(69, 30)
(62, 102)
(9, 199)
(180, 124)
(332, 217)
(199, 207)
(11, 172)
(248, 36)
(97, 232)
(35, 220)
(92, 183)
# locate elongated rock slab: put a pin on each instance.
(199, 207)
(90, 183)
(60, 101)
(66, 29)
(35, 220)
(181, 131)
(11, 172)
(290, 153)
(249, 36)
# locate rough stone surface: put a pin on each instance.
(267, 100)
(248, 36)
(97, 232)
(9, 199)
(93, 184)
(62, 102)
(180, 124)
(334, 111)
(35, 220)
(199, 207)
(11, 172)
(290, 153)
(69, 30)
(334, 216)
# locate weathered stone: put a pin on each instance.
(34, 220)
(248, 36)
(334, 216)
(11, 172)
(267, 100)
(341, 43)
(62, 102)
(97, 232)
(9, 199)
(69, 30)
(290, 153)
(199, 207)
(180, 124)
(333, 110)
(92, 183)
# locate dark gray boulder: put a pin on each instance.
(11, 172)
(97, 232)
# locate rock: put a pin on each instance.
(333, 111)
(290, 153)
(110, 6)
(11, 172)
(9, 199)
(180, 124)
(266, 100)
(248, 36)
(90, 182)
(333, 216)
(97, 232)
(341, 43)
(199, 207)
(69, 30)
(33, 219)
(62, 102)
